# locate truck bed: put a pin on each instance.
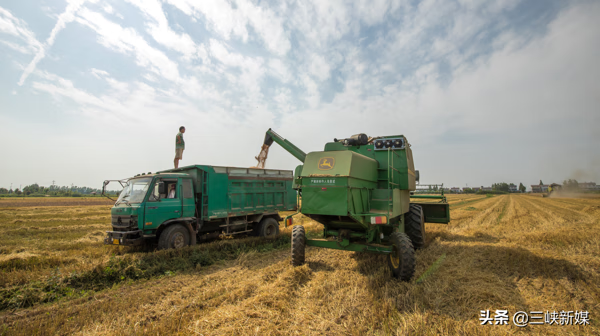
(223, 192)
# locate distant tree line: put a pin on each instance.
(53, 190)
(570, 185)
(497, 188)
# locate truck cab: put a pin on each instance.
(148, 203)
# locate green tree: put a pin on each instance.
(3, 191)
(18, 192)
(522, 188)
(502, 186)
(541, 183)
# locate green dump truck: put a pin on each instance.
(179, 207)
(359, 189)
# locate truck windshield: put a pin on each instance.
(134, 190)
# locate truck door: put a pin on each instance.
(187, 192)
(165, 206)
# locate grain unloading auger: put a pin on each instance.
(359, 189)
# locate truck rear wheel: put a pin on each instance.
(298, 245)
(402, 258)
(175, 236)
(269, 227)
(415, 226)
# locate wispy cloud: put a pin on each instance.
(228, 19)
(128, 41)
(67, 16)
(18, 28)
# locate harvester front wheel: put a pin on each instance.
(298, 245)
(415, 226)
(175, 236)
(402, 258)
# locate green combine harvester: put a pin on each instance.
(359, 188)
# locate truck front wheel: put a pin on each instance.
(175, 236)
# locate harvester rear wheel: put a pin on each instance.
(269, 227)
(402, 258)
(415, 226)
(298, 245)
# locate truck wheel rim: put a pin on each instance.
(395, 258)
(269, 231)
(178, 240)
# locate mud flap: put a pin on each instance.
(436, 212)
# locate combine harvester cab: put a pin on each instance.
(359, 189)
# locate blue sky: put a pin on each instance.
(485, 91)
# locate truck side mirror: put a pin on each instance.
(162, 188)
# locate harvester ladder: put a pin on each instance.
(391, 183)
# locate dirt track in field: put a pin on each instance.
(514, 252)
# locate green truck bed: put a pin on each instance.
(232, 191)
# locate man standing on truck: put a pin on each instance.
(179, 146)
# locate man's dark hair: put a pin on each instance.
(180, 128)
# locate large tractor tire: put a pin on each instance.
(415, 226)
(402, 258)
(298, 245)
(175, 236)
(268, 227)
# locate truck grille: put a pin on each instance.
(124, 223)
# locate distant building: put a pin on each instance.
(512, 188)
(486, 188)
(475, 189)
(588, 186)
(455, 190)
(537, 188)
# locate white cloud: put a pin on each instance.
(278, 69)
(127, 41)
(67, 16)
(267, 24)
(219, 14)
(98, 73)
(321, 22)
(318, 67)
(18, 28)
(251, 69)
(372, 11)
(161, 32)
(228, 21)
(108, 9)
(17, 47)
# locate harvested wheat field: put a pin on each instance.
(509, 252)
